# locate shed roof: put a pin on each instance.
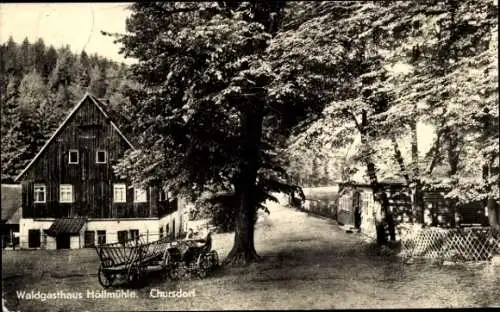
(11, 202)
(66, 226)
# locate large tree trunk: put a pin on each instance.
(270, 14)
(379, 193)
(417, 198)
(243, 250)
(493, 214)
(380, 196)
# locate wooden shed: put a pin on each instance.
(357, 208)
(446, 212)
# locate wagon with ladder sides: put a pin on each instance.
(131, 260)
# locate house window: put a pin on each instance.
(101, 157)
(66, 193)
(134, 234)
(122, 237)
(40, 193)
(167, 229)
(162, 196)
(101, 237)
(73, 156)
(140, 195)
(89, 239)
(119, 193)
(161, 232)
(33, 238)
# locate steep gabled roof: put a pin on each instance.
(68, 118)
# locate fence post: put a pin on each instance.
(42, 243)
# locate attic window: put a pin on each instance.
(101, 157)
(73, 157)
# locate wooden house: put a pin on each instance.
(71, 197)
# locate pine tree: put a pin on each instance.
(11, 60)
(98, 83)
(26, 56)
(38, 51)
(50, 62)
(83, 68)
(62, 73)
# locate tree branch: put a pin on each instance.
(435, 152)
(345, 111)
(400, 160)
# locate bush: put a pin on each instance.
(221, 209)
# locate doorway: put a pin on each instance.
(63, 241)
(356, 205)
(173, 228)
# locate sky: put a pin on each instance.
(78, 25)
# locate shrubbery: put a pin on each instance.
(220, 208)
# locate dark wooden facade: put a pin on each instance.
(442, 211)
(87, 129)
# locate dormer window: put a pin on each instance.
(73, 157)
(101, 157)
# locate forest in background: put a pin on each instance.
(40, 85)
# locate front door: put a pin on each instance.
(62, 241)
(33, 238)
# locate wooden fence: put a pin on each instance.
(456, 244)
(321, 207)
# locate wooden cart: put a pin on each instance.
(131, 260)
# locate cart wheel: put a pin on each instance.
(215, 258)
(173, 271)
(202, 265)
(165, 264)
(133, 275)
(105, 279)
